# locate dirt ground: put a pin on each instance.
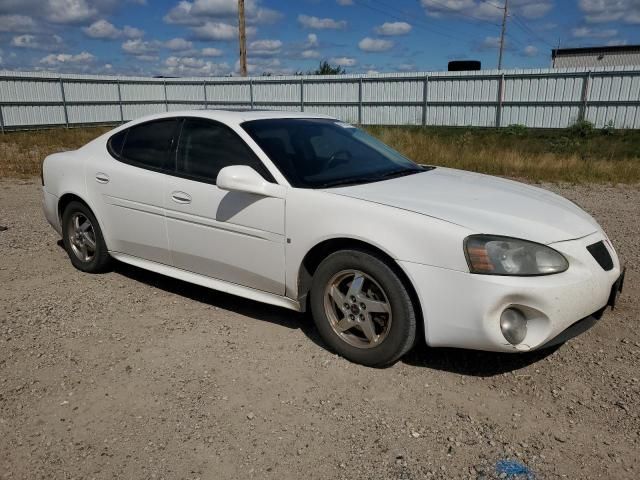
(133, 375)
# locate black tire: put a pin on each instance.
(401, 334)
(100, 260)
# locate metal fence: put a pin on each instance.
(542, 98)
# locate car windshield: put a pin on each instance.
(319, 153)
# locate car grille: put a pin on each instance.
(602, 255)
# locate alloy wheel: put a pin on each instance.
(357, 308)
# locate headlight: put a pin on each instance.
(494, 255)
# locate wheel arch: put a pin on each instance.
(320, 251)
(66, 199)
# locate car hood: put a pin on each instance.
(481, 203)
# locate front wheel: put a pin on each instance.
(362, 309)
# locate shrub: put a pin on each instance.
(582, 128)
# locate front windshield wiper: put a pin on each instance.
(374, 178)
(399, 173)
(346, 181)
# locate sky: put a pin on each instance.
(200, 37)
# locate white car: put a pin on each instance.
(307, 212)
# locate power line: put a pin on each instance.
(520, 23)
(418, 24)
(462, 14)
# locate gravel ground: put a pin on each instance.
(133, 375)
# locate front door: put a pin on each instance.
(231, 236)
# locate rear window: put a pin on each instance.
(116, 143)
(147, 145)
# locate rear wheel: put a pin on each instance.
(362, 309)
(83, 239)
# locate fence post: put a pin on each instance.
(360, 101)
(64, 104)
(120, 101)
(586, 84)
(500, 101)
(425, 96)
(251, 92)
(1, 120)
(166, 100)
(302, 94)
(204, 90)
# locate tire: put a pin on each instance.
(83, 240)
(383, 304)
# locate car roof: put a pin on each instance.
(234, 116)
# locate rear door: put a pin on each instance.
(128, 185)
(232, 236)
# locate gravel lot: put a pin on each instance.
(134, 375)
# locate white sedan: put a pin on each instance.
(307, 212)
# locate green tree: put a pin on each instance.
(325, 68)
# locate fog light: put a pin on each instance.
(513, 325)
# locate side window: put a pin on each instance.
(207, 147)
(116, 143)
(148, 144)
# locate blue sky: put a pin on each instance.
(199, 37)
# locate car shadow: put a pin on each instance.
(473, 363)
(454, 360)
(242, 306)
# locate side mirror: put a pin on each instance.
(241, 178)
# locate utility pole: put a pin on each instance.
(243, 39)
(504, 30)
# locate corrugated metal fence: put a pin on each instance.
(536, 98)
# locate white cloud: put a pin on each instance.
(107, 31)
(617, 43)
(139, 47)
(193, 66)
(530, 51)
(343, 61)
(321, 23)
(489, 43)
(310, 53)
(16, 23)
(312, 40)
(344, 3)
(368, 44)
(60, 58)
(25, 41)
(393, 28)
(70, 11)
(407, 67)
(598, 11)
(586, 32)
(132, 32)
(485, 10)
(264, 47)
(178, 44)
(197, 12)
(219, 31)
(211, 52)
(34, 42)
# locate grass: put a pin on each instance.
(22, 153)
(558, 156)
(581, 154)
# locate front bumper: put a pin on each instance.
(585, 324)
(463, 310)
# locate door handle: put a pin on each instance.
(102, 177)
(181, 197)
